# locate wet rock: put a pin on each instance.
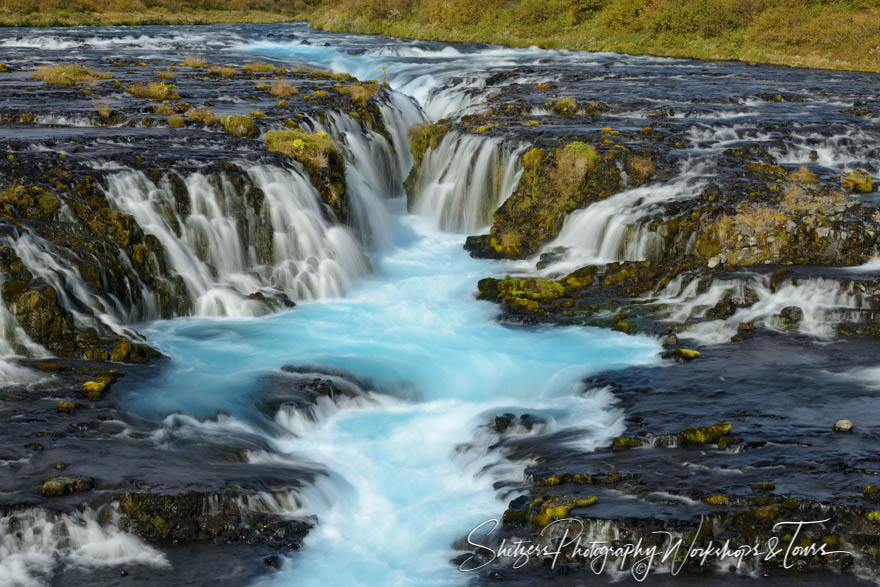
(502, 423)
(791, 316)
(625, 443)
(218, 518)
(65, 485)
(67, 406)
(681, 355)
(703, 434)
(843, 426)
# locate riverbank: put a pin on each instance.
(838, 36)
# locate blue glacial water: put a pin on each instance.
(400, 487)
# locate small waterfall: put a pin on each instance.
(372, 173)
(464, 180)
(824, 302)
(401, 113)
(44, 540)
(74, 294)
(227, 249)
(613, 230)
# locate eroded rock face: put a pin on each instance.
(56, 202)
(197, 517)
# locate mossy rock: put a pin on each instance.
(553, 185)
(322, 161)
(703, 434)
(858, 182)
(622, 443)
(65, 485)
(557, 507)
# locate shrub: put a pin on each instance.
(192, 60)
(240, 126)
(154, 91)
(68, 75)
(202, 115)
(282, 89)
(165, 75)
(176, 122)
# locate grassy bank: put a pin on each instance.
(141, 12)
(809, 33)
(833, 34)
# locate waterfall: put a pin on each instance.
(225, 250)
(824, 303)
(613, 230)
(46, 540)
(464, 180)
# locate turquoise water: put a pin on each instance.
(410, 471)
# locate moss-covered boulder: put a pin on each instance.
(321, 160)
(703, 434)
(554, 183)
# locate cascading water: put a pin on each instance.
(225, 251)
(464, 180)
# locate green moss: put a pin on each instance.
(176, 122)
(703, 434)
(625, 443)
(424, 137)
(766, 513)
(360, 93)
(240, 126)
(202, 115)
(259, 67)
(68, 75)
(858, 181)
(717, 499)
(321, 159)
(565, 106)
(557, 507)
(154, 91)
(551, 187)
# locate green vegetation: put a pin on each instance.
(154, 91)
(835, 34)
(176, 122)
(68, 75)
(142, 12)
(260, 67)
(360, 93)
(240, 126)
(859, 182)
(202, 115)
(282, 89)
(313, 150)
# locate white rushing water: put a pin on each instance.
(399, 487)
